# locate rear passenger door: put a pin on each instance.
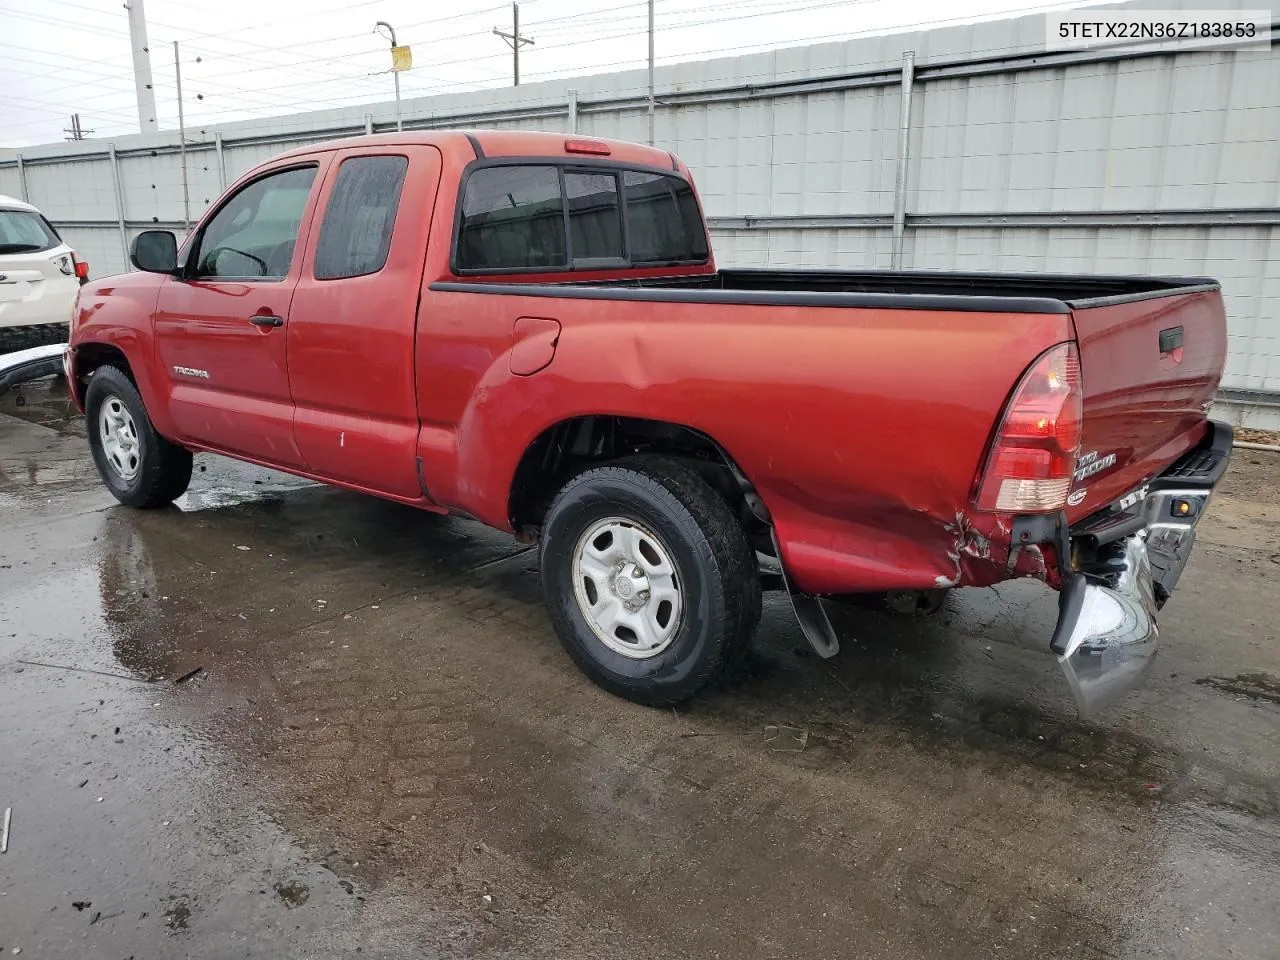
(351, 330)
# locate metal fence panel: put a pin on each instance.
(72, 191)
(10, 182)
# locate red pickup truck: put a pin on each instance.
(529, 329)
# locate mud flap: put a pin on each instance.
(810, 613)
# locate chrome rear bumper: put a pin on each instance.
(1112, 638)
(1107, 634)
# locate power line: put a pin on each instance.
(832, 37)
(555, 33)
(255, 26)
(36, 106)
(45, 19)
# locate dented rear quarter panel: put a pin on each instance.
(862, 429)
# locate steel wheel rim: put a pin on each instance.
(119, 435)
(627, 588)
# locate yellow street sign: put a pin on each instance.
(401, 59)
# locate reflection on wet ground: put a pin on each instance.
(377, 743)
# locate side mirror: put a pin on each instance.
(155, 251)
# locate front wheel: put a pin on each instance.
(139, 467)
(649, 579)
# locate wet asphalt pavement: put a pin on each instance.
(281, 720)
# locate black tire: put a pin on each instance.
(714, 564)
(163, 469)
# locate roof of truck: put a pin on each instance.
(473, 144)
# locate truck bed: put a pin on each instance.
(1072, 290)
(1151, 348)
(921, 290)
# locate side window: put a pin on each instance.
(254, 234)
(512, 217)
(662, 219)
(356, 234)
(595, 218)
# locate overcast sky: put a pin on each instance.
(255, 58)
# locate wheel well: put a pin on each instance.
(91, 356)
(571, 445)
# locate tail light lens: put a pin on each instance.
(82, 269)
(1034, 452)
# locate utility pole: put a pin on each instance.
(143, 86)
(651, 73)
(515, 41)
(77, 132)
(182, 141)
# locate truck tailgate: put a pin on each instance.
(1149, 368)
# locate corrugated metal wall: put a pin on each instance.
(1017, 160)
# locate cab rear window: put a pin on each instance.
(549, 217)
(22, 231)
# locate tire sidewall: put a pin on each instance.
(109, 382)
(695, 652)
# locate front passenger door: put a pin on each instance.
(220, 329)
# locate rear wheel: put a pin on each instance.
(649, 579)
(139, 467)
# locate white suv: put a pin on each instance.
(39, 278)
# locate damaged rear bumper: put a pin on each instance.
(1107, 634)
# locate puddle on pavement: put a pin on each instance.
(384, 687)
(292, 894)
(43, 401)
(422, 726)
(1253, 686)
(218, 482)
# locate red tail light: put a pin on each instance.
(82, 269)
(1034, 452)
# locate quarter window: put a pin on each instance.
(254, 234)
(512, 217)
(358, 221)
(662, 219)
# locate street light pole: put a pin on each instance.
(391, 34)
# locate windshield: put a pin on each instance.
(22, 231)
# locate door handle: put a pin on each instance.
(266, 320)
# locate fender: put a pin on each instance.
(117, 312)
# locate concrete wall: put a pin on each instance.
(1017, 160)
